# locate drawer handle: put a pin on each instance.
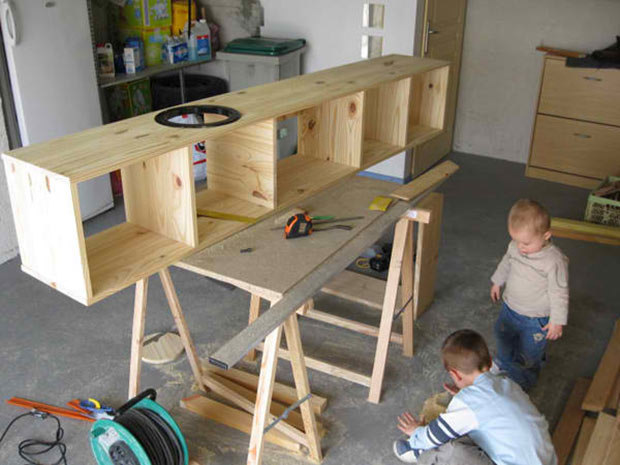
(590, 78)
(582, 136)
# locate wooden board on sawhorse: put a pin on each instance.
(284, 433)
(418, 283)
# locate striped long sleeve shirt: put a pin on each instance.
(499, 417)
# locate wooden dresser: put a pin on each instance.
(576, 137)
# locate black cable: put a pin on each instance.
(159, 441)
(30, 449)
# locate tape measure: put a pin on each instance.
(299, 225)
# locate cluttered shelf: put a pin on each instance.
(149, 71)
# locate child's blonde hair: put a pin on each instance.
(526, 213)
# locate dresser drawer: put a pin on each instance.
(581, 93)
(575, 147)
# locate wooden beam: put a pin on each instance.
(249, 406)
(389, 307)
(262, 408)
(254, 313)
(181, 324)
(407, 295)
(600, 440)
(328, 368)
(605, 376)
(568, 426)
(585, 433)
(351, 325)
(230, 416)
(293, 340)
(426, 181)
(137, 336)
(584, 231)
(281, 392)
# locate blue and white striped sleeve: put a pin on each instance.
(458, 420)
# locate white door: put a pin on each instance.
(52, 70)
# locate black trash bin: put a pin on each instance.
(166, 90)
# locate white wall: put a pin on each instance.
(333, 30)
(500, 71)
(8, 239)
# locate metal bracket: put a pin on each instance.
(287, 410)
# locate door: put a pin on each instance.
(442, 38)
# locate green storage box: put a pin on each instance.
(264, 46)
(129, 99)
(603, 210)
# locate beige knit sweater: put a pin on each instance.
(536, 284)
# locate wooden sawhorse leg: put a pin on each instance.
(265, 390)
(137, 335)
(403, 243)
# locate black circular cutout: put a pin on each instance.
(197, 110)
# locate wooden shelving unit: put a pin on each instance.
(349, 118)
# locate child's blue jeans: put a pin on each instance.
(520, 346)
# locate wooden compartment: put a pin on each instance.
(349, 118)
(427, 105)
(160, 226)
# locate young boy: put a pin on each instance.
(503, 426)
(535, 300)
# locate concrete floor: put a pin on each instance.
(53, 349)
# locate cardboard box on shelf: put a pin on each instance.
(153, 39)
(129, 99)
(147, 13)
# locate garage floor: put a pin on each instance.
(53, 349)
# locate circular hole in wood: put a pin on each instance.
(197, 116)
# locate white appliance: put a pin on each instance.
(52, 70)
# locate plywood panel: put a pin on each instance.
(568, 426)
(159, 196)
(242, 163)
(332, 131)
(606, 374)
(49, 228)
(386, 112)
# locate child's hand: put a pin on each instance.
(451, 388)
(495, 292)
(408, 424)
(553, 331)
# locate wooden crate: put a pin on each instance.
(350, 118)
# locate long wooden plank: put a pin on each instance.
(613, 402)
(281, 392)
(100, 150)
(584, 231)
(585, 433)
(425, 181)
(605, 376)
(328, 368)
(239, 345)
(613, 453)
(600, 440)
(568, 426)
(229, 416)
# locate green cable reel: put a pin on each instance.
(141, 433)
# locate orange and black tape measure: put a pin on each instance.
(298, 225)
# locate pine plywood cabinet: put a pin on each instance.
(576, 137)
(349, 118)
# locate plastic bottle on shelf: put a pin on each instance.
(203, 39)
(192, 47)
